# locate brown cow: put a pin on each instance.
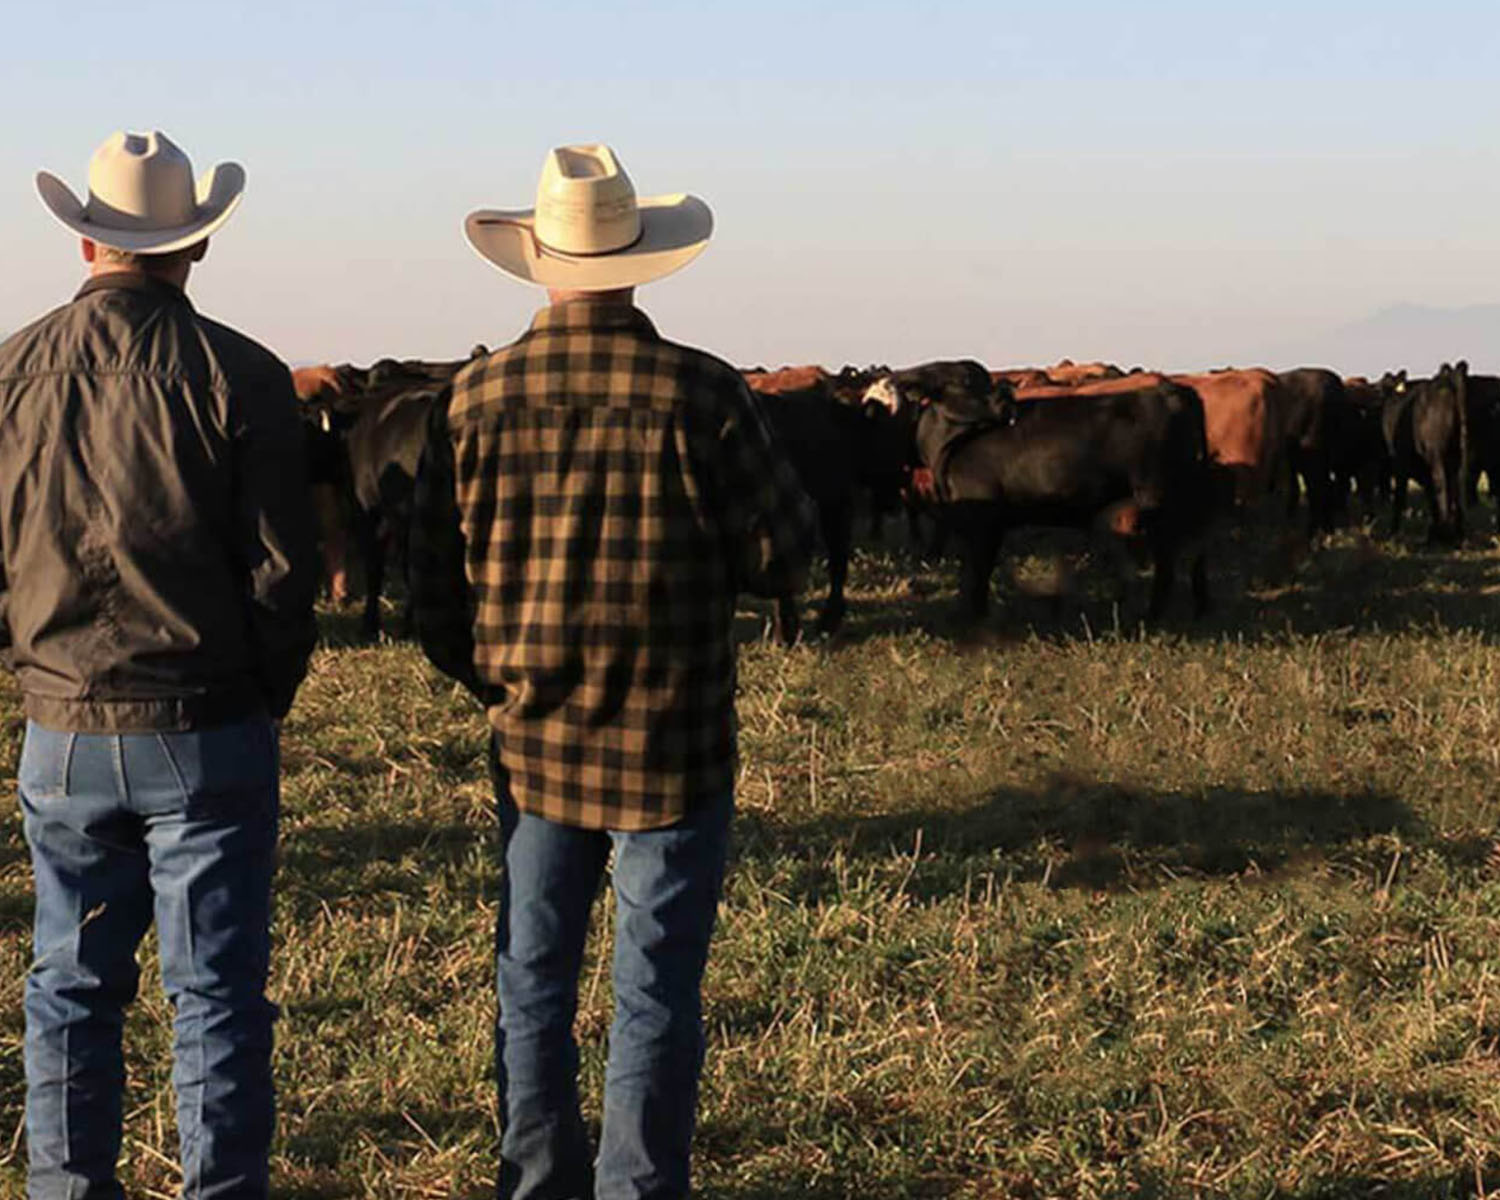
(1069, 374)
(1244, 419)
(787, 379)
(1021, 377)
(1139, 382)
(311, 383)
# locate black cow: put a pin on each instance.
(961, 386)
(380, 422)
(1483, 411)
(1314, 404)
(1136, 462)
(1357, 453)
(1426, 430)
(959, 382)
(835, 448)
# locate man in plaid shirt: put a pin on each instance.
(591, 500)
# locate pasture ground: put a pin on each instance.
(1066, 910)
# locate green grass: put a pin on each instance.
(1062, 910)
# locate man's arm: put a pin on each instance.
(768, 518)
(438, 583)
(275, 527)
(6, 645)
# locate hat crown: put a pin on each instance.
(141, 182)
(585, 202)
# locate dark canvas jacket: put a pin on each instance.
(155, 528)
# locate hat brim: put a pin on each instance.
(218, 194)
(674, 231)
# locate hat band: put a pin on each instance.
(541, 248)
(105, 215)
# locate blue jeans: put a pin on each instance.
(666, 885)
(121, 827)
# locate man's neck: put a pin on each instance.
(623, 297)
(177, 276)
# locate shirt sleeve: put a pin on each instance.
(768, 519)
(442, 603)
(277, 542)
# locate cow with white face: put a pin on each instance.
(961, 382)
(884, 393)
(961, 386)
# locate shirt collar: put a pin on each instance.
(592, 314)
(133, 281)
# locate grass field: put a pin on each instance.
(1066, 910)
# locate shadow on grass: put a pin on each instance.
(1087, 834)
(324, 1137)
(1460, 1185)
(329, 864)
(16, 907)
(1351, 583)
(787, 1184)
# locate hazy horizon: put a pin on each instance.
(1166, 185)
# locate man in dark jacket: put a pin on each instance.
(156, 608)
(591, 501)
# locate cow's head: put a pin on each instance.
(884, 393)
(316, 383)
(1452, 378)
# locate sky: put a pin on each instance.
(1167, 184)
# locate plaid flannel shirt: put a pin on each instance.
(590, 501)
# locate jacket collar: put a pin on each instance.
(133, 281)
(592, 314)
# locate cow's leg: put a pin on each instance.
(1202, 601)
(914, 526)
(978, 547)
(1491, 481)
(1163, 570)
(786, 623)
(838, 534)
(1338, 496)
(332, 541)
(1440, 502)
(406, 626)
(936, 542)
(372, 550)
(1320, 496)
(1458, 500)
(1293, 490)
(1398, 499)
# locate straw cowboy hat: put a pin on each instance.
(589, 231)
(142, 197)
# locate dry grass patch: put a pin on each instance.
(1059, 911)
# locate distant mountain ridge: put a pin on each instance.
(1415, 336)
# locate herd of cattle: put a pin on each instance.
(1159, 464)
